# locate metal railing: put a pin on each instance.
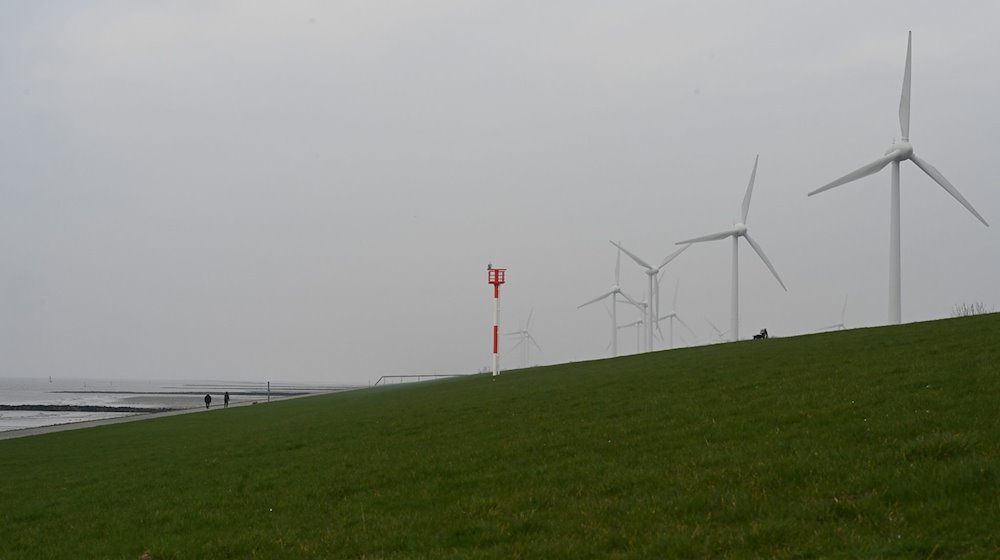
(420, 377)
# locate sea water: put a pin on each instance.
(148, 395)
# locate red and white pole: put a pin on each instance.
(496, 277)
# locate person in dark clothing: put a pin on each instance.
(208, 400)
(225, 400)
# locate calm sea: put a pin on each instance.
(35, 398)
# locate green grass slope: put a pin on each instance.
(869, 443)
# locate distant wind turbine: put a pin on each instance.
(638, 324)
(525, 340)
(672, 315)
(898, 152)
(720, 336)
(838, 326)
(612, 293)
(653, 310)
(641, 307)
(739, 230)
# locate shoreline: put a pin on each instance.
(39, 430)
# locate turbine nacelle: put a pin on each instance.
(739, 228)
(903, 150)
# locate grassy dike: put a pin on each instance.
(868, 443)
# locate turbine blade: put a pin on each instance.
(532, 340)
(527, 325)
(709, 237)
(672, 256)
(760, 253)
(873, 167)
(686, 326)
(635, 258)
(746, 198)
(904, 97)
(596, 299)
(618, 268)
(630, 300)
(946, 185)
(518, 344)
(715, 328)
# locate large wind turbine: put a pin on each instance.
(613, 292)
(898, 152)
(739, 230)
(653, 310)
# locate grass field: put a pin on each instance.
(868, 443)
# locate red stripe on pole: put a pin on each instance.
(496, 332)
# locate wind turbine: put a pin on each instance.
(613, 292)
(638, 332)
(839, 326)
(719, 335)
(653, 310)
(898, 152)
(739, 230)
(525, 340)
(673, 314)
(642, 307)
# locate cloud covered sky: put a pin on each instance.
(311, 191)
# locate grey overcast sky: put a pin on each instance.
(311, 191)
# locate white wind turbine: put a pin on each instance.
(838, 326)
(613, 292)
(720, 336)
(739, 230)
(672, 315)
(898, 152)
(653, 310)
(638, 324)
(525, 340)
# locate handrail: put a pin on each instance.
(418, 376)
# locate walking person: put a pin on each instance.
(225, 400)
(208, 400)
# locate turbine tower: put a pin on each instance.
(739, 230)
(899, 152)
(652, 311)
(613, 293)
